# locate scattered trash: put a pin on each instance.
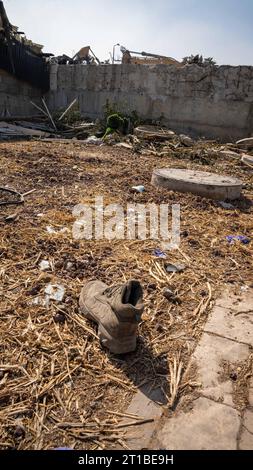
(52, 292)
(226, 205)
(241, 238)
(159, 253)
(44, 265)
(138, 189)
(174, 268)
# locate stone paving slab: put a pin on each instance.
(211, 352)
(248, 420)
(209, 426)
(144, 405)
(212, 423)
(230, 323)
(238, 301)
(246, 440)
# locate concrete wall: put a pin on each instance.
(212, 102)
(15, 97)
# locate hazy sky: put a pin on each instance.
(222, 29)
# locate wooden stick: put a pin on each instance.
(135, 423)
(40, 109)
(29, 192)
(49, 114)
(68, 109)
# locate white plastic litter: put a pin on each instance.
(51, 229)
(52, 292)
(55, 292)
(138, 189)
(44, 265)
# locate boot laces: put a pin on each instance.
(110, 291)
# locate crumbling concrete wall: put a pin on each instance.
(212, 102)
(15, 97)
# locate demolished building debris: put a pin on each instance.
(21, 57)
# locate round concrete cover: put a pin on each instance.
(205, 184)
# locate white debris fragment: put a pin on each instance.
(93, 140)
(124, 145)
(44, 265)
(54, 292)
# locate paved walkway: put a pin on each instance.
(221, 416)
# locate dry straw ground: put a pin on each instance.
(57, 386)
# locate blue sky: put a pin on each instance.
(222, 29)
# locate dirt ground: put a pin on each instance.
(57, 386)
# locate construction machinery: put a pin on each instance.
(146, 58)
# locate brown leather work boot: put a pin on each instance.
(117, 311)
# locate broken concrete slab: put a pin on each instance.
(231, 323)
(144, 405)
(204, 184)
(209, 357)
(208, 426)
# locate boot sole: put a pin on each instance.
(122, 346)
